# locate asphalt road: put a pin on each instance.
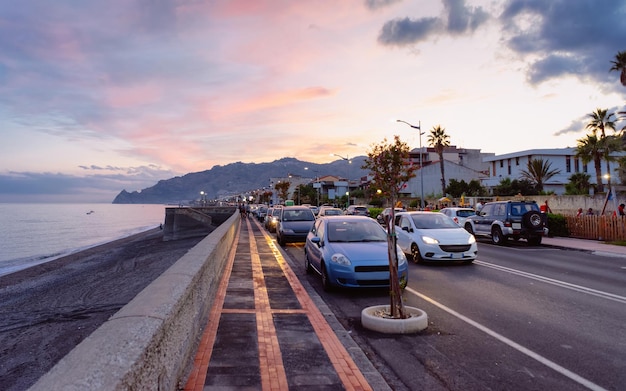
(521, 317)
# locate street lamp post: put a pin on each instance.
(347, 175)
(203, 198)
(317, 188)
(419, 130)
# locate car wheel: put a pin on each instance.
(468, 228)
(307, 264)
(415, 253)
(532, 219)
(497, 237)
(534, 240)
(325, 280)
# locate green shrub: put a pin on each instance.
(375, 212)
(557, 225)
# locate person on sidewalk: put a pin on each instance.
(620, 210)
(545, 208)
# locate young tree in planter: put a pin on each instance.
(389, 166)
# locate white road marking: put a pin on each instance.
(536, 356)
(563, 284)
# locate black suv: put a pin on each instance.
(501, 220)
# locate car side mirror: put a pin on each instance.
(406, 229)
(317, 241)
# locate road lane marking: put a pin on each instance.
(563, 284)
(536, 356)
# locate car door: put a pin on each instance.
(483, 219)
(314, 250)
(404, 229)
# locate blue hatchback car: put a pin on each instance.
(351, 251)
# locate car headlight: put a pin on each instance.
(472, 239)
(340, 259)
(288, 231)
(401, 256)
(429, 240)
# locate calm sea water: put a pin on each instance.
(35, 233)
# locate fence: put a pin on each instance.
(605, 227)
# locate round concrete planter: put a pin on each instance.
(371, 319)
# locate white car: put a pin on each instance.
(459, 215)
(433, 236)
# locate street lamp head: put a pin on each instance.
(418, 127)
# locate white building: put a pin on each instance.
(511, 165)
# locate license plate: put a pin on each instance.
(517, 225)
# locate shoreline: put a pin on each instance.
(16, 265)
(50, 308)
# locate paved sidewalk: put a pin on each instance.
(266, 332)
(594, 246)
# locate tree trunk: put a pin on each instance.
(443, 176)
(395, 292)
(598, 166)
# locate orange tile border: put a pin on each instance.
(273, 376)
(348, 371)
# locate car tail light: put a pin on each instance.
(507, 223)
(456, 219)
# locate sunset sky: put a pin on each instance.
(100, 96)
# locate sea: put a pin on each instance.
(31, 234)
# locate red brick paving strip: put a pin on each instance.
(348, 371)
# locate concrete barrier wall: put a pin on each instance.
(150, 343)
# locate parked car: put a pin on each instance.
(271, 219)
(294, 222)
(330, 212)
(384, 216)
(351, 251)
(434, 236)
(261, 212)
(501, 220)
(315, 209)
(459, 215)
(357, 210)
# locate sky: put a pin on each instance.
(100, 96)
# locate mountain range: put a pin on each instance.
(236, 178)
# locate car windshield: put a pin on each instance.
(355, 231)
(297, 215)
(333, 212)
(433, 221)
(465, 213)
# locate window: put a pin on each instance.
(501, 163)
(584, 168)
(517, 161)
(509, 166)
(576, 165)
(568, 164)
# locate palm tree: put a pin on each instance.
(538, 172)
(619, 64)
(578, 184)
(439, 140)
(589, 150)
(601, 120)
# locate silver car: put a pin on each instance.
(433, 236)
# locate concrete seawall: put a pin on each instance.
(150, 343)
